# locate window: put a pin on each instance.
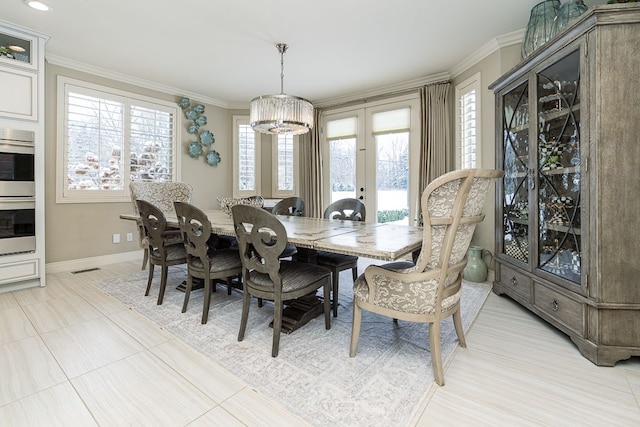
(285, 165)
(468, 123)
(246, 159)
(108, 138)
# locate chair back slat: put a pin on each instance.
(196, 231)
(261, 240)
(291, 206)
(346, 209)
(154, 223)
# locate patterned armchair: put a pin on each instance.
(429, 291)
(161, 195)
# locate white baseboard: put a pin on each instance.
(85, 263)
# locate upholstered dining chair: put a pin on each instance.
(430, 290)
(203, 260)
(163, 249)
(162, 195)
(291, 206)
(262, 238)
(345, 210)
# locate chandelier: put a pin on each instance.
(281, 113)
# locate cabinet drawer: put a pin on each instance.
(515, 281)
(560, 307)
(18, 271)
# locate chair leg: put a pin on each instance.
(229, 285)
(457, 323)
(260, 304)
(207, 300)
(145, 258)
(146, 293)
(277, 327)
(335, 275)
(355, 328)
(436, 352)
(354, 273)
(327, 307)
(163, 284)
(187, 292)
(246, 303)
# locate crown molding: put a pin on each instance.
(125, 78)
(384, 90)
(490, 47)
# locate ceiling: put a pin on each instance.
(225, 50)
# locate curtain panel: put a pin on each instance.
(435, 147)
(311, 182)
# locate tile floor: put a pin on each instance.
(73, 356)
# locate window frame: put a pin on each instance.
(472, 83)
(275, 191)
(66, 84)
(239, 120)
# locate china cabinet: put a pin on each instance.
(568, 211)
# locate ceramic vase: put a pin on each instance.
(540, 27)
(476, 269)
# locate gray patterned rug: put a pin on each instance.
(313, 375)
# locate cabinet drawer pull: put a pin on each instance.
(514, 281)
(554, 305)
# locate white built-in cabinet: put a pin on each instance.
(22, 107)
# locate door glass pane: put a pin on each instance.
(392, 177)
(559, 236)
(343, 168)
(515, 182)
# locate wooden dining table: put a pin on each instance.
(383, 241)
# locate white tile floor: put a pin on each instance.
(73, 356)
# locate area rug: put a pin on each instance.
(313, 375)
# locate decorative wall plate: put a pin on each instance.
(213, 158)
(195, 149)
(206, 138)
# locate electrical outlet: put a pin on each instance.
(116, 238)
(129, 237)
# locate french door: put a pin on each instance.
(371, 153)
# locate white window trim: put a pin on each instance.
(63, 195)
(471, 83)
(275, 192)
(237, 121)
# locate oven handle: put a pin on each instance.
(16, 147)
(7, 203)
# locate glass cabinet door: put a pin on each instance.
(558, 168)
(516, 167)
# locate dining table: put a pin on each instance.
(382, 241)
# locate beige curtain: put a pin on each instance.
(311, 170)
(435, 148)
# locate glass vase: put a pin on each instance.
(540, 27)
(568, 14)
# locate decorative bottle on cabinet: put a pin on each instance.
(566, 215)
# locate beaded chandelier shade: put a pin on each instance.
(281, 113)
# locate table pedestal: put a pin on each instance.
(300, 311)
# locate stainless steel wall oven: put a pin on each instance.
(17, 191)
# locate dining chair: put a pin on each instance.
(345, 210)
(204, 261)
(430, 290)
(291, 206)
(162, 195)
(262, 238)
(164, 249)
